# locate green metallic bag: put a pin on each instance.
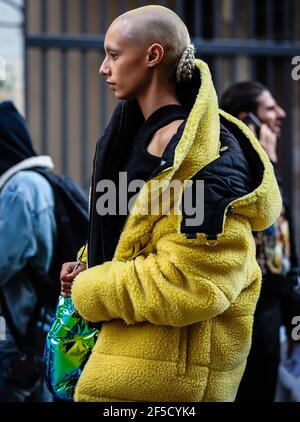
(68, 347)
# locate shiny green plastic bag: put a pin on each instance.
(68, 346)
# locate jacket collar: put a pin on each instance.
(43, 161)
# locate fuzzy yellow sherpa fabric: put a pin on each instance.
(82, 255)
(178, 313)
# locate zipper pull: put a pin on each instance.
(211, 239)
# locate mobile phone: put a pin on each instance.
(251, 118)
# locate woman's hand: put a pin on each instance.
(68, 272)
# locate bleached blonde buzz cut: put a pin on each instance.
(148, 25)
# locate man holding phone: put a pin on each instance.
(254, 104)
(279, 302)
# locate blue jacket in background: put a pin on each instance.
(27, 237)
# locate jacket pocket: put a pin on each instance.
(182, 351)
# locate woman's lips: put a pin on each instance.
(111, 84)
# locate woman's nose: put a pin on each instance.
(104, 70)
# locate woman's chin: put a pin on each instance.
(122, 96)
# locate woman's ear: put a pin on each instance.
(155, 54)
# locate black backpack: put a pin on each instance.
(71, 214)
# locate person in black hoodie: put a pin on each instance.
(279, 300)
(27, 238)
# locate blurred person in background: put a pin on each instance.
(27, 236)
(279, 300)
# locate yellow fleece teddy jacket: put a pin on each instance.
(177, 311)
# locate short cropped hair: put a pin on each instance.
(157, 24)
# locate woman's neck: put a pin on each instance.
(156, 97)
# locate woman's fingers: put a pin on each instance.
(65, 294)
(67, 270)
(67, 275)
(66, 288)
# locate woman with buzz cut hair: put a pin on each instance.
(175, 294)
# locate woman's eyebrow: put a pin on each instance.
(110, 48)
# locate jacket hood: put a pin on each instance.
(262, 206)
(200, 146)
(15, 139)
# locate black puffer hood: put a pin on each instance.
(15, 139)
